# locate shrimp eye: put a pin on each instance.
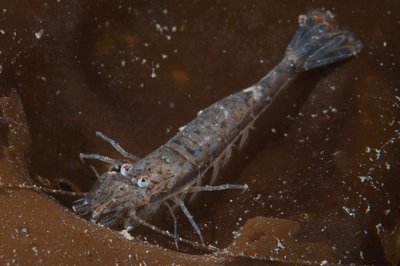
(143, 181)
(125, 168)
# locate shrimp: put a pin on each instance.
(128, 195)
(141, 186)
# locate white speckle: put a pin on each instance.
(361, 255)
(368, 209)
(226, 114)
(273, 130)
(126, 234)
(379, 229)
(377, 153)
(363, 178)
(279, 244)
(257, 93)
(159, 28)
(199, 112)
(171, 105)
(249, 89)
(256, 198)
(2, 32)
(123, 63)
(164, 56)
(35, 250)
(349, 211)
(182, 128)
(153, 73)
(236, 235)
(39, 34)
(42, 78)
(24, 231)
(324, 262)
(384, 44)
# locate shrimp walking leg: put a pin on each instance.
(190, 218)
(168, 234)
(171, 212)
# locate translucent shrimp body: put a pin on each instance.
(131, 195)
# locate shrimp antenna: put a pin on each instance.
(43, 189)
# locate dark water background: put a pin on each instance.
(325, 155)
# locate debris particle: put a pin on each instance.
(363, 178)
(24, 231)
(236, 234)
(126, 234)
(39, 34)
(153, 73)
(35, 250)
(379, 229)
(279, 243)
(349, 211)
(324, 262)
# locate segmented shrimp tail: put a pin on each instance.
(319, 42)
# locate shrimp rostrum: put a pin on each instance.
(131, 194)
